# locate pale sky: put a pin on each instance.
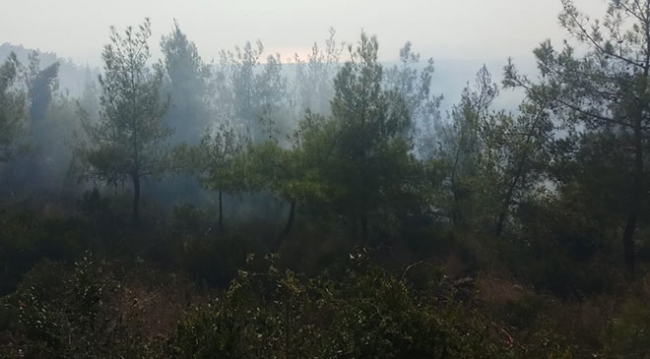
(475, 29)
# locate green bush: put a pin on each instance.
(215, 260)
(63, 312)
(26, 238)
(629, 333)
(522, 313)
(371, 314)
(187, 218)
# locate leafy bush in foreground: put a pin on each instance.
(368, 314)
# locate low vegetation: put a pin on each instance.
(202, 211)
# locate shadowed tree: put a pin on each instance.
(188, 81)
(515, 157)
(12, 108)
(41, 84)
(461, 144)
(254, 95)
(413, 83)
(216, 161)
(127, 142)
(603, 88)
(370, 134)
(295, 175)
(314, 76)
(188, 84)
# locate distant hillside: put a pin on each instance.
(71, 76)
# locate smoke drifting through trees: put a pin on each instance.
(241, 132)
(197, 166)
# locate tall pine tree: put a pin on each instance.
(127, 142)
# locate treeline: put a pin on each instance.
(552, 195)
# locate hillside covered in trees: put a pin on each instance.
(334, 207)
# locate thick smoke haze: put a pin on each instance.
(468, 29)
(207, 78)
(324, 179)
(460, 37)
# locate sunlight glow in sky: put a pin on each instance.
(437, 28)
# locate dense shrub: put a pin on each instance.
(629, 334)
(63, 312)
(370, 314)
(215, 259)
(26, 238)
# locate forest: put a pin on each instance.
(328, 207)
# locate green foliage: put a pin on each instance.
(61, 308)
(126, 143)
(219, 163)
(52, 122)
(537, 196)
(601, 90)
(188, 78)
(217, 160)
(25, 238)
(271, 312)
(522, 313)
(186, 217)
(494, 160)
(292, 175)
(81, 310)
(366, 139)
(515, 158)
(314, 75)
(561, 248)
(629, 333)
(93, 204)
(41, 84)
(357, 161)
(215, 261)
(414, 86)
(12, 107)
(251, 95)
(126, 140)
(462, 144)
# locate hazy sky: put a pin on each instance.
(437, 28)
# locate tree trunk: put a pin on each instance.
(136, 200)
(500, 221)
(220, 211)
(518, 176)
(508, 200)
(628, 242)
(636, 202)
(292, 215)
(455, 210)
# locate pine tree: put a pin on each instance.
(127, 142)
(12, 108)
(603, 89)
